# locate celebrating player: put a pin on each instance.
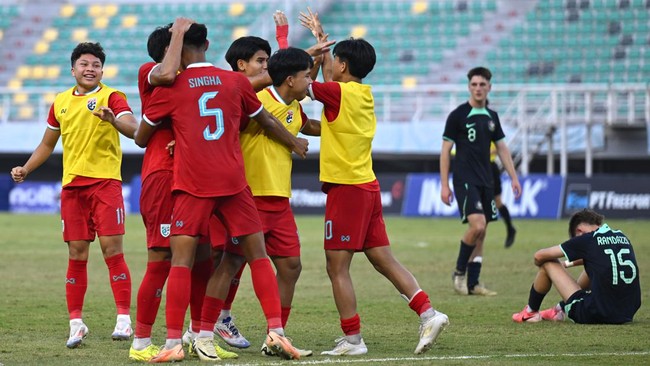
(89, 117)
(353, 212)
(205, 105)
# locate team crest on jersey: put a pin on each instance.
(289, 117)
(92, 103)
(165, 230)
(491, 126)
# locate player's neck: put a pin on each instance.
(477, 104)
(285, 93)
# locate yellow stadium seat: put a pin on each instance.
(38, 72)
(26, 112)
(2, 114)
(96, 10)
(129, 21)
(419, 7)
(110, 71)
(24, 72)
(41, 47)
(359, 31)
(80, 35)
(53, 72)
(1, 34)
(48, 98)
(50, 34)
(409, 82)
(67, 10)
(239, 32)
(15, 84)
(20, 98)
(236, 9)
(110, 10)
(100, 22)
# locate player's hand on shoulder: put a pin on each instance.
(105, 114)
(18, 174)
(170, 147)
(181, 24)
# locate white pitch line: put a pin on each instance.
(441, 358)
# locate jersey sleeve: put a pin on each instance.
(251, 104)
(52, 123)
(303, 116)
(329, 94)
(159, 107)
(117, 103)
(451, 128)
(574, 248)
(498, 131)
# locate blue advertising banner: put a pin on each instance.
(613, 196)
(541, 197)
(44, 197)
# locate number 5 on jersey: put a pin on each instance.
(216, 112)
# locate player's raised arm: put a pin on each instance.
(281, 29)
(312, 22)
(165, 73)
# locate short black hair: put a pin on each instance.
(288, 62)
(196, 36)
(158, 40)
(586, 216)
(83, 48)
(358, 54)
(244, 48)
(480, 71)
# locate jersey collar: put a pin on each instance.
(276, 95)
(199, 64)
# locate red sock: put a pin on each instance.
(149, 297)
(120, 279)
(352, 325)
(420, 302)
(285, 316)
(201, 272)
(234, 285)
(210, 313)
(266, 290)
(178, 299)
(76, 283)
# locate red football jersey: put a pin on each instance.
(156, 156)
(206, 105)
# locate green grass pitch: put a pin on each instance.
(34, 324)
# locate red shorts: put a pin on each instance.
(191, 214)
(94, 209)
(156, 205)
(354, 219)
(280, 230)
(217, 234)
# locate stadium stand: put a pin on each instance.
(422, 47)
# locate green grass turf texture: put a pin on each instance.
(34, 324)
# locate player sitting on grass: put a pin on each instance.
(610, 264)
